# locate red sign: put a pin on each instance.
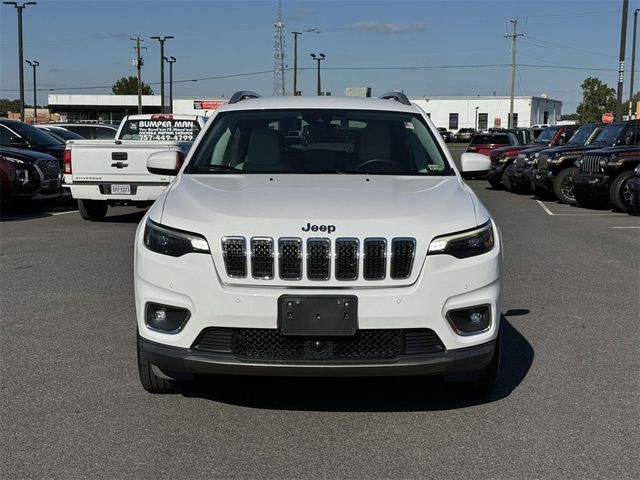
(607, 117)
(207, 104)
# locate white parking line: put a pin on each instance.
(625, 227)
(544, 207)
(64, 213)
(549, 212)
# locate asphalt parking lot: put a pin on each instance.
(566, 405)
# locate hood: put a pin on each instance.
(305, 206)
(24, 154)
(568, 149)
(511, 148)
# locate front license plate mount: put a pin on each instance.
(318, 315)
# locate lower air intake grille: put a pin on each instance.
(262, 258)
(290, 250)
(261, 344)
(402, 253)
(375, 258)
(346, 259)
(235, 256)
(318, 259)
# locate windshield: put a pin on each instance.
(609, 134)
(34, 136)
(581, 135)
(63, 134)
(499, 138)
(547, 135)
(319, 141)
(160, 129)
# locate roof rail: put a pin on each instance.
(397, 96)
(243, 95)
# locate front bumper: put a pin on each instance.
(521, 176)
(543, 180)
(593, 184)
(172, 360)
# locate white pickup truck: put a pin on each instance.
(103, 173)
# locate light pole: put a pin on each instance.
(34, 64)
(477, 118)
(162, 40)
(20, 8)
(295, 62)
(170, 61)
(318, 58)
(633, 58)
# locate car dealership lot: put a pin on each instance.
(565, 406)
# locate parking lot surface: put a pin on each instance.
(565, 407)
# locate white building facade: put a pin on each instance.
(481, 113)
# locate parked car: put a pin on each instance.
(532, 163)
(447, 136)
(464, 135)
(485, 143)
(58, 132)
(264, 258)
(631, 193)
(22, 135)
(92, 131)
(602, 175)
(503, 158)
(28, 174)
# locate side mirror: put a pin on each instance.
(18, 142)
(474, 164)
(166, 162)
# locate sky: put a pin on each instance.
(421, 47)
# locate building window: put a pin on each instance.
(453, 121)
(515, 120)
(483, 121)
(545, 117)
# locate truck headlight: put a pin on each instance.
(464, 244)
(175, 243)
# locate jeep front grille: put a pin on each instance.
(542, 161)
(295, 260)
(521, 160)
(590, 164)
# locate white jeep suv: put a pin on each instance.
(317, 237)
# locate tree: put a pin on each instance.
(7, 105)
(597, 98)
(129, 86)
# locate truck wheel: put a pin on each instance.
(587, 201)
(482, 382)
(151, 382)
(617, 191)
(631, 200)
(495, 184)
(506, 181)
(93, 210)
(562, 189)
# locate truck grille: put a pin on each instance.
(263, 344)
(542, 161)
(590, 164)
(50, 169)
(320, 254)
(521, 160)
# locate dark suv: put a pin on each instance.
(601, 175)
(16, 134)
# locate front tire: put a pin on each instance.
(151, 382)
(617, 191)
(562, 188)
(92, 210)
(506, 181)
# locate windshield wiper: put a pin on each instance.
(218, 168)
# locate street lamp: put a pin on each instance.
(170, 61)
(318, 58)
(20, 8)
(34, 64)
(295, 56)
(633, 58)
(162, 40)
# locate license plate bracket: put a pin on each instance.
(318, 315)
(120, 189)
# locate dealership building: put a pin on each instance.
(451, 113)
(482, 112)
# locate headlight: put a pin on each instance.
(603, 162)
(464, 244)
(175, 243)
(14, 160)
(578, 163)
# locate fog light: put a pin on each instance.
(165, 318)
(470, 320)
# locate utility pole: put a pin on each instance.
(20, 8)
(162, 40)
(318, 58)
(170, 61)
(295, 62)
(623, 41)
(138, 62)
(633, 59)
(513, 37)
(34, 64)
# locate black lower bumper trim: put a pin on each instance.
(183, 360)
